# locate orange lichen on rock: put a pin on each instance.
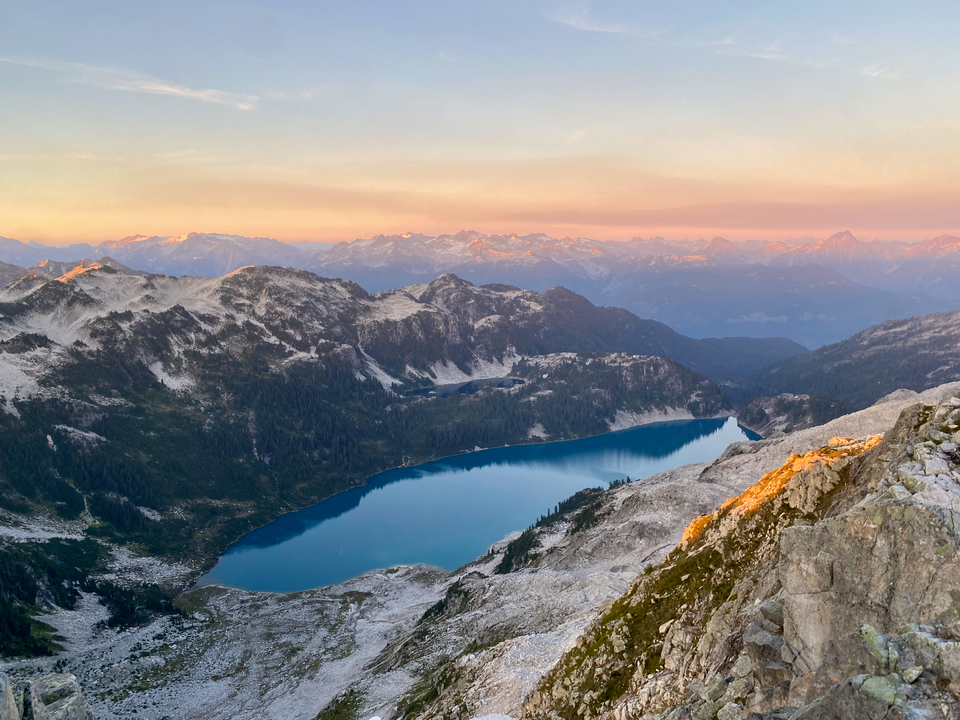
(695, 528)
(771, 484)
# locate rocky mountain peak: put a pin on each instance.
(466, 236)
(130, 240)
(721, 249)
(844, 243)
(937, 247)
(54, 269)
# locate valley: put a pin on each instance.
(175, 415)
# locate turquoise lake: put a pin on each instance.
(448, 512)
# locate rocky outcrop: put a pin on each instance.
(535, 615)
(830, 589)
(49, 697)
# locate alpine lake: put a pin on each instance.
(448, 512)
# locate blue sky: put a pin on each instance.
(323, 120)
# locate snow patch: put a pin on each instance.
(537, 431)
(395, 305)
(485, 321)
(149, 513)
(416, 289)
(178, 383)
(448, 374)
(379, 374)
(20, 372)
(625, 419)
(81, 436)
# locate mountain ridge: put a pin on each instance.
(813, 292)
(909, 354)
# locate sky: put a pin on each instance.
(326, 121)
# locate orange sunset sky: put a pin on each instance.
(330, 121)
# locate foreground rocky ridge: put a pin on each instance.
(828, 590)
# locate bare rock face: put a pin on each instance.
(830, 589)
(50, 697)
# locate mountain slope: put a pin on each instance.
(385, 639)
(9, 273)
(911, 354)
(53, 269)
(204, 254)
(216, 404)
(30, 253)
(207, 254)
(559, 320)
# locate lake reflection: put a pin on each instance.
(448, 512)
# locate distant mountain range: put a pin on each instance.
(812, 292)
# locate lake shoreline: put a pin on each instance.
(531, 476)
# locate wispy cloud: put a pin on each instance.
(108, 78)
(734, 45)
(581, 20)
(725, 41)
(312, 93)
(577, 136)
(881, 70)
(769, 51)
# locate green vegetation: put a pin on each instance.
(427, 690)
(344, 707)
(586, 518)
(131, 606)
(797, 411)
(252, 442)
(258, 434)
(519, 552)
(53, 570)
(576, 501)
(451, 603)
(688, 584)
